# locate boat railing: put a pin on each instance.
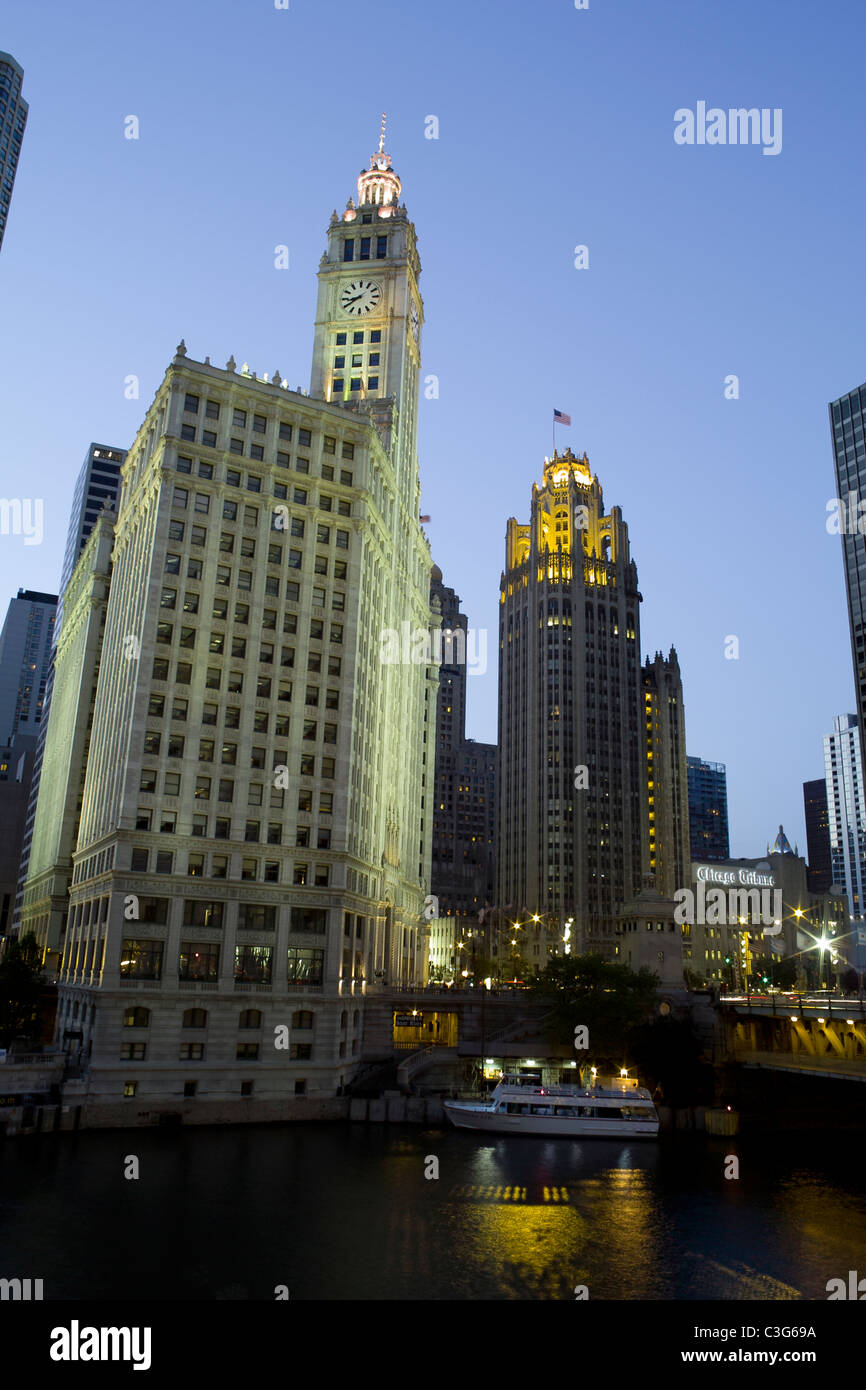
(623, 1093)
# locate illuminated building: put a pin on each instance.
(571, 779)
(254, 841)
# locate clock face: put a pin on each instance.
(360, 297)
(415, 320)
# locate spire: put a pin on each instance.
(379, 184)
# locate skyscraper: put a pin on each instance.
(25, 650)
(708, 809)
(571, 774)
(846, 811)
(464, 805)
(253, 850)
(13, 119)
(97, 486)
(667, 779)
(820, 874)
(849, 452)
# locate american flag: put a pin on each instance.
(559, 418)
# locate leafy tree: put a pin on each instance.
(20, 987)
(781, 973)
(607, 999)
(851, 981)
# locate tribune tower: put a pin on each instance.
(571, 782)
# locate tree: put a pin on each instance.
(20, 988)
(851, 981)
(606, 999)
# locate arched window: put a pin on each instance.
(195, 1018)
(302, 1019)
(344, 1019)
(250, 1018)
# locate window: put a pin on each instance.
(227, 542)
(199, 826)
(202, 914)
(300, 874)
(184, 464)
(242, 613)
(309, 919)
(247, 1052)
(349, 449)
(275, 833)
(164, 632)
(349, 248)
(222, 827)
(233, 477)
(151, 743)
(195, 865)
(209, 439)
(254, 484)
(188, 432)
(187, 637)
(236, 446)
(172, 784)
(305, 438)
(183, 673)
(212, 410)
(138, 861)
(205, 750)
(326, 799)
(253, 964)
(252, 830)
(230, 511)
(305, 966)
(190, 602)
(190, 405)
(132, 1052)
(239, 418)
(141, 960)
(329, 443)
(272, 871)
(136, 1017)
(202, 502)
(343, 540)
(198, 535)
(257, 917)
(259, 424)
(199, 960)
(250, 1018)
(226, 789)
(180, 497)
(219, 866)
(156, 706)
(172, 564)
(302, 837)
(308, 764)
(322, 875)
(175, 745)
(194, 1018)
(346, 477)
(205, 470)
(194, 569)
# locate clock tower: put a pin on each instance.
(367, 345)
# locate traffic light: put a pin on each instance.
(727, 960)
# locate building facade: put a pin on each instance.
(571, 775)
(667, 779)
(97, 488)
(847, 416)
(846, 813)
(708, 809)
(817, 835)
(253, 850)
(464, 811)
(13, 119)
(55, 805)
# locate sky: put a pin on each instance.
(555, 130)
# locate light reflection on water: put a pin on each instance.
(346, 1212)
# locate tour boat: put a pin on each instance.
(520, 1104)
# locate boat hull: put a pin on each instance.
(465, 1116)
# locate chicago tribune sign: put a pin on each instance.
(717, 873)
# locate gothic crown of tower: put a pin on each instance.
(379, 184)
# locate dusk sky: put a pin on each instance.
(556, 129)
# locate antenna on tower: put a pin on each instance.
(382, 136)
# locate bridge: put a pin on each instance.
(810, 1034)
